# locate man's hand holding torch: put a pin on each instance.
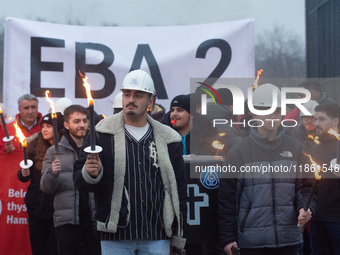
(9, 147)
(93, 164)
(56, 166)
(304, 216)
(232, 249)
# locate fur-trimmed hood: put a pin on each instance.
(114, 124)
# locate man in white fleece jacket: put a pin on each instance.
(138, 179)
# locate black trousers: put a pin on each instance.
(42, 236)
(288, 250)
(77, 240)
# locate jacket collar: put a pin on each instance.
(115, 124)
(37, 123)
(264, 142)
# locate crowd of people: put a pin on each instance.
(131, 197)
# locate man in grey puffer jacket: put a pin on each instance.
(259, 211)
(73, 214)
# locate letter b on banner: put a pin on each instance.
(101, 68)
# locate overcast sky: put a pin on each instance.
(267, 13)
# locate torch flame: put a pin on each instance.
(333, 132)
(317, 167)
(255, 84)
(47, 95)
(315, 139)
(19, 134)
(218, 145)
(9, 118)
(88, 89)
(221, 134)
(258, 73)
(0, 110)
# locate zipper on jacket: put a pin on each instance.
(243, 222)
(273, 190)
(75, 206)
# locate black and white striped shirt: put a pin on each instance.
(145, 187)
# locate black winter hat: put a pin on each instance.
(48, 119)
(226, 96)
(182, 101)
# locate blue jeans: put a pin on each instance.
(139, 247)
(325, 237)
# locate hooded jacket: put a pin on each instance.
(112, 200)
(66, 200)
(260, 210)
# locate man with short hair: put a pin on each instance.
(305, 130)
(316, 94)
(325, 224)
(28, 120)
(138, 179)
(316, 91)
(259, 210)
(188, 123)
(73, 209)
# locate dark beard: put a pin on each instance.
(131, 113)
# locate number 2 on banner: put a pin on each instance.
(224, 61)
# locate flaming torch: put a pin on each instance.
(7, 138)
(55, 123)
(315, 183)
(315, 139)
(218, 146)
(93, 148)
(26, 163)
(255, 84)
(337, 135)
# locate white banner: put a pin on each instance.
(40, 56)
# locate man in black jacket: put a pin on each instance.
(138, 179)
(325, 224)
(197, 132)
(261, 201)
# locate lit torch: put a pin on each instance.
(315, 183)
(92, 148)
(337, 135)
(255, 84)
(218, 145)
(7, 138)
(315, 139)
(26, 163)
(55, 123)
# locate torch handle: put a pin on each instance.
(338, 154)
(235, 251)
(310, 195)
(92, 129)
(4, 125)
(55, 135)
(25, 154)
